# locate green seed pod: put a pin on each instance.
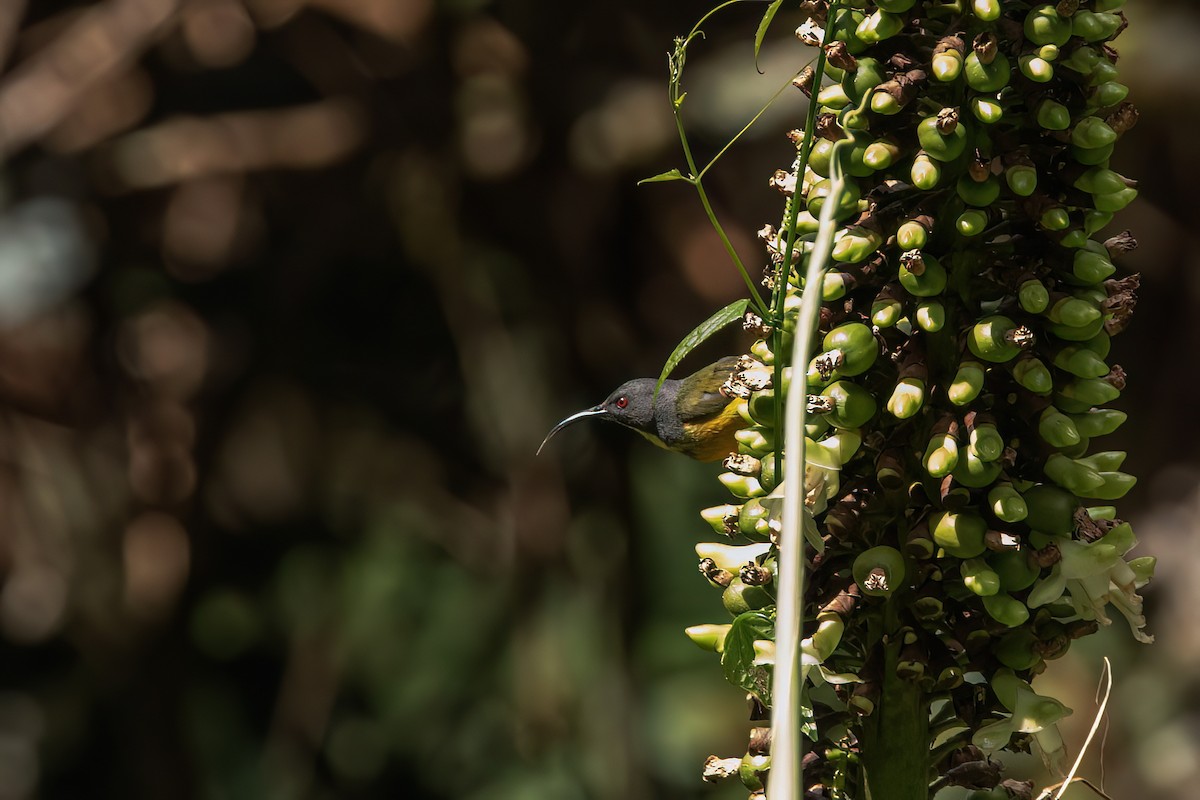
(1055, 218)
(912, 235)
(943, 146)
(971, 222)
(1036, 68)
(833, 286)
(854, 406)
(885, 103)
(931, 280)
(752, 519)
(879, 26)
(986, 443)
(1071, 474)
(978, 193)
(941, 455)
(987, 110)
(987, 78)
(925, 172)
(1057, 429)
(1094, 220)
(1022, 179)
(1099, 180)
(930, 316)
(1006, 609)
(879, 571)
(863, 80)
(857, 345)
(986, 10)
(847, 201)
(907, 398)
(1050, 52)
(1098, 421)
(1081, 362)
(1050, 509)
(961, 534)
(1053, 116)
(975, 473)
(979, 577)
(738, 598)
(1007, 503)
(881, 154)
(1091, 133)
(994, 339)
(1043, 25)
(1015, 569)
(1033, 297)
(886, 312)
(967, 383)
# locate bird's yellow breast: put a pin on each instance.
(712, 438)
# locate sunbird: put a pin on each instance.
(691, 415)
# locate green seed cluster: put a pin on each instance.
(961, 502)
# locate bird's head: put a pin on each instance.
(631, 404)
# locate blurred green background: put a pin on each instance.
(290, 290)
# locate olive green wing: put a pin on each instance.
(702, 389)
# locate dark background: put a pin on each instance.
(289, 293)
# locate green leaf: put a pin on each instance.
(768, 16)
(727, 315)
(808, 719)
(669, 175)
(737, 659)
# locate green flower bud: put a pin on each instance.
(1073, 311)
(819, 155)
(753, 519)
(1055, 218)
(879, 26)
(833, 96)
(994, 339)
(971, 222)
(1091, 133)
(967, 383)
(720, 518)
(978, 193)
(907, 398)
(1053, 116)
(1033, 296)
(1051, 510)
(756, 439)
(885, 103)
(1015, 650)
(1021, 179)
(925, 172)
(1031, 373)
(941, 455)
(1095, 220)
(986, 10)
(743, 486)
(930, 316)
(912, 235)
(1110, 203)
(1006, 609)
(1099, 421)
(1083, 60)
(879, 571)
(1077, 334)
(731, 557)
(1071, 474)
(987, 78)
(1090, 391)
(862, 80)
(854, 406)
(833, 286)
(1057, 429)
(961, 534)
(947, 66)
(1104, 72)
(987, 110)
(857, 346)
(846, 202)
(975, 473)
(852, 245)
(979, 577)
(738, 598)
(930, 282)
(886, 312)
(1015, 569)
(986, 443)
(1094, 27)
(1036, 68)
(1099, 180)
(943, 146)
(1115, 485)
(1092, 267)
(1007, 504)
(1092, 156)
(709, 637)
(1108, 94)
(1043, 25)
(881, 154)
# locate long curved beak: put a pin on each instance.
(591, 412)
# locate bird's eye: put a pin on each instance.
(622, 402)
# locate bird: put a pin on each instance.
(694, 416)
